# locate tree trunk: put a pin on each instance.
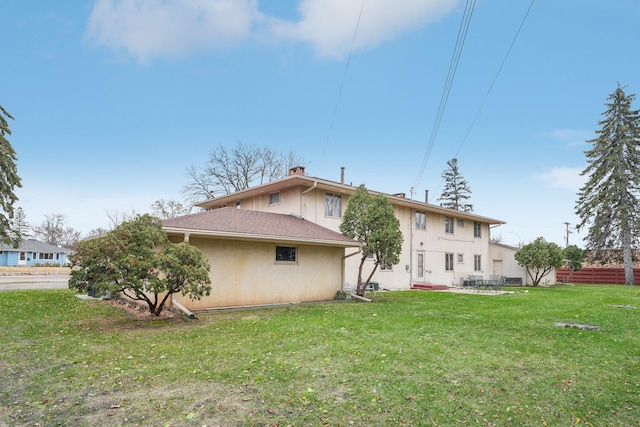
(627, 257)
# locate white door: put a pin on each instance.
(420, 267)
(22, 259)
(497, 267)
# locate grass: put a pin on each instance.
(409, 358)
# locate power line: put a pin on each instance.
(453, 66)
(486, 96)
(484, 100)
(344, 76)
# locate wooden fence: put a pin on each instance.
(605, 276)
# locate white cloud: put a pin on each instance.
(160, 28)
(563, 178)
(329, 25)
(150, 28)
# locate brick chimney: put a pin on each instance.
(296, 170)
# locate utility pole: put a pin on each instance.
(566, 239)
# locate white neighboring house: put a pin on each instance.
(441, 246)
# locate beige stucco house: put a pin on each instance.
(441, 246)
(261, 258)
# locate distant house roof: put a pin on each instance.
(32, 245)
(255, 225)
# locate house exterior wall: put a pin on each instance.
(245, 273)
(503, 259)
(431, 244)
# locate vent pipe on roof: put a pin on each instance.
(342, 175)
(426, 196)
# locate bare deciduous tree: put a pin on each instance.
(117, 217)
(54, 231)
(234, 169)
(165, 209)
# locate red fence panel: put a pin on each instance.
(604, 276)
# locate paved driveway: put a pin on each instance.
(33, 282)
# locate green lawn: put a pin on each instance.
(409, 358)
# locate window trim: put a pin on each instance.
(477, 229)
(272, 196)
(448, 261)
(460, 258)
(477, 263)
(334, 197)
(286, 261)
(423, 223)
(448, 225)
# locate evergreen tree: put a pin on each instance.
(456, 190)
(609, 202)
(21, 224)
(9, 179)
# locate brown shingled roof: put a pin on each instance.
(244, 223)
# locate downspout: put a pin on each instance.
(411, 244)
(176, 304)
(304, 193)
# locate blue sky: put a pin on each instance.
(114, 99)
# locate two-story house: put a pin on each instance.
(441, 246)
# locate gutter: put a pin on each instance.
(313, 187)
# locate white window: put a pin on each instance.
(286, 254)
(460, 258)
(460, 222)
(477, 262)
(333, 205)
(448, 262)
(477, 229)
(448, 225)
(421, 220)
(43, 255)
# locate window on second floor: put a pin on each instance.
(448, 225)
(477, 229)
(460, 223)
(421, 220)
(333, 205)
(274, 198)
(460, 258)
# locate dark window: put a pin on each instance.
(448, 225)
(477, 262)
(274, 198)
(448, 262)
(286, 253)
(477, 229)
